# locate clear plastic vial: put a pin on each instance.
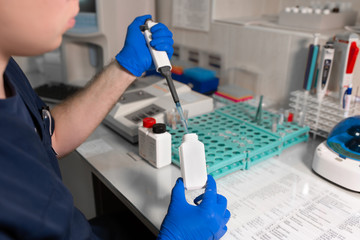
(193, 162)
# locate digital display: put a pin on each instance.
(87, 6)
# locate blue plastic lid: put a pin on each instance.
(199, 73)
(344, 139)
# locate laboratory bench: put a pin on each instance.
(280, 198)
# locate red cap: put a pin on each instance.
(290, 117)
(148, 122)
(353, 53)
(177, 70)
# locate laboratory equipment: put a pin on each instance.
(150, 97)
(347, 50)
(321, 116)
(234, 141)
(327, 59)
(160, 58)
(97, 36)
(347, 100)
(192, 162)
(309, 76)
(172, 117)
(338, 158)
(274, 124)
(155, 143)
(311, 63)
(163, 66)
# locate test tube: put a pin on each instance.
(286, 114)
(301, 119)
(274, 124)
(281, 119)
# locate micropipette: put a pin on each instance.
(163, 66)
(325, 70)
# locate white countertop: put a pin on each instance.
(146, 190)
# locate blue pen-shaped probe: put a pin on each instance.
(311, 63)
(325, 70)
(309, 74)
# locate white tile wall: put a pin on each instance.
(244, 8)
(266, 53)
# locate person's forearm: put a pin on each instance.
(77, 117)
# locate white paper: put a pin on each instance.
(271, 200)
(191, 14)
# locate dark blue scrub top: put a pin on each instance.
(34, 203)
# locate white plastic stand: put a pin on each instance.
(320, 116)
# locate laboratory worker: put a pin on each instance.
(34, 203)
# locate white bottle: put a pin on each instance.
(143, 132)
(193, 162)
(159, 144)
(155, 143)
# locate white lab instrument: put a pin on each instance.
(160, 58)
(346, 45)
(97, 36)
(338, 158)
(150, 97)
(321, 116)
(192, 162)
(327, 59)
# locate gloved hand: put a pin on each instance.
(205, 221)
(135, 55)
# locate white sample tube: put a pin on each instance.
(193, 162)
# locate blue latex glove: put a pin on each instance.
(205, 221)
(135, 55)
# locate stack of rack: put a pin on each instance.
(320, 116)
(235, 141)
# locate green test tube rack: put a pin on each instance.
(235, 141)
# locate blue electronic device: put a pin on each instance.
(338, 158)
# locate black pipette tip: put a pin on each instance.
(166, 72)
